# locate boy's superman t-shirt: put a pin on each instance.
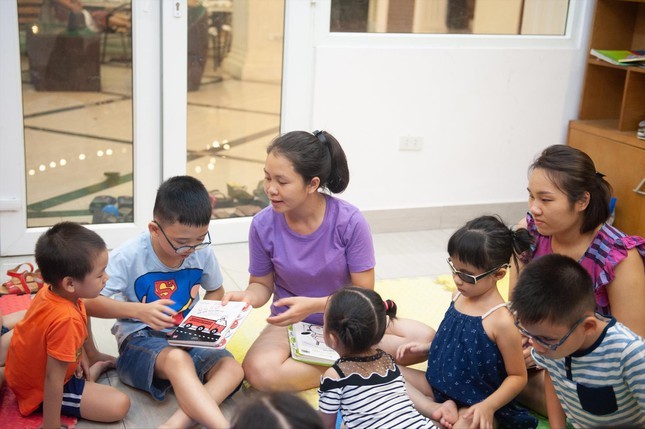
(137, 275)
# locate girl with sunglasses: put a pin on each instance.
(475, 364)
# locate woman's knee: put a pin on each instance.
(260, 376)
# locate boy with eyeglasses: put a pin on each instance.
(155, 279)
(595, 365)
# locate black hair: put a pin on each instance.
(315, 154)
(67, 249)
(486, 242)
(357, 316)
(555, 289)
(278, 410)
(574, 173)
(183, 199)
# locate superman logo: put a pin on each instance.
(165, 288)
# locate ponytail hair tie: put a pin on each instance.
(386, 304)
(321, 136)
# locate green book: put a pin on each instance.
(308, 345)
(620, 57)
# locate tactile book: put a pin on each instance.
(308, 345)
(209, 324)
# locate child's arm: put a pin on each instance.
(412, 348)
(328, 420)
(508, 340)
(557, 417)
(216, 294)
(53, 393)
(155, 314)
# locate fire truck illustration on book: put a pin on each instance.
(209, 324)
(200, 328)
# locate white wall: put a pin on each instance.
(484, 105)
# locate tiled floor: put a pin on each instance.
(405, 254)
(72, 139)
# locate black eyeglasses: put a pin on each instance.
(469, 278)
(549, 345)
(183, 250)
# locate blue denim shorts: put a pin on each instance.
(72, 395)
(138, 354)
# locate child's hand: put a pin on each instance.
(479, 416)
(526, 352)
(157, 314)
(412, 348)
(83, 369)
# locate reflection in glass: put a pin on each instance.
(234, 85)
(527, 17)
(77, 104)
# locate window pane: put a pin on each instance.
(234, 84)
(77, 102)
(528, 17)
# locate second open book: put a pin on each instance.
(308, 344)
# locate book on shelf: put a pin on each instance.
(620, 57)
(209, 324)
(308, 344)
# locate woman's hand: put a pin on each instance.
(299, 308)
(412, 348)
(237, 296)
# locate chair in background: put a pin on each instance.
(28, 12)
(123, 31)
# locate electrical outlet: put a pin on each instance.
(411, 143)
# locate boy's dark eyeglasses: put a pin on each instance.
(469, 278)
(549, 345)
(183, 250)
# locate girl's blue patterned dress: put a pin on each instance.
(466, 366)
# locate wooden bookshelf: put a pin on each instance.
(612, 105)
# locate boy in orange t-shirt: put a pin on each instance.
(45, 366)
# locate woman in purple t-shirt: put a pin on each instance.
(303, 247)
(568, 208)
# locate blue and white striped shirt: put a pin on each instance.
(603, 385)
(378, 401)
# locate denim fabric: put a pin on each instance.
(139, 351)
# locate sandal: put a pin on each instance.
(22, 282)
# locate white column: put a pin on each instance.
(256, 51)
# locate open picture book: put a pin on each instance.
(308, 345)
(209, 324)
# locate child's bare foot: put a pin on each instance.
(447, 414)
(100, 357)
(99, 368)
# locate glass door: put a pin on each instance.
(234, 83)
(97, 111)
(74, 99)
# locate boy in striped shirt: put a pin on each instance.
(595, 365)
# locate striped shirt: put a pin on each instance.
(603, 385)
(378, 401)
